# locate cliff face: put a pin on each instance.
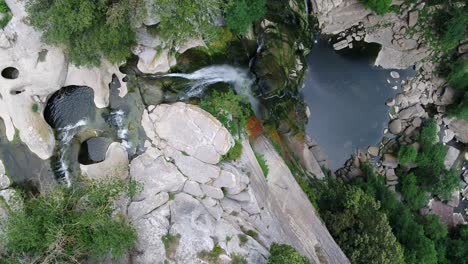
(202, 202)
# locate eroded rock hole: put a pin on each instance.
(10, 73)
(16, 92)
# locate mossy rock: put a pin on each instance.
(193, 59)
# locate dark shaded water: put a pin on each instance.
(346, 95)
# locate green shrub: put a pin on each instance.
(460, 110)
(455, 29)
(262, 162)
(407, 154)
(69, 225)
(238, 259)
(242, 239)
(240, 14)
(213, 255)
(231, 109)
(281, 253)
(428, 134)
(252, 234)
(35, 107)
(235, 152)
(380, 7)
(458, 74)
(168, 240)
(88, 29)
(457, 251)
(415, 197)
(6, 14)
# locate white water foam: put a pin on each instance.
(66, 134)
(117, 118)
(239, 78)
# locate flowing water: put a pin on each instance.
(201, 79)
(346, 95)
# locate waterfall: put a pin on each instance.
(66, 134)
(239, 78)
(117, 119)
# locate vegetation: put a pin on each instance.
(231, 109)
(240, 14)
(262, 162)
(458, 74)
(413, 195)
(252, 234)
(187, 19)
(355, 220)
(69, 225)
(213, 255)
(35, 107)
(238, 259)
(457, 251)
(242, 239)
(431, 173)
(235, 152)
(407, 154)
(5, 11)
(281, 253)
(88, 29)
(380, 7)
(460, 110)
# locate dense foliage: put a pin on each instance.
(407, 154)
(380, 7)
(281, 253)
(235, 152)
(88, 29)
(4, 13)
(69, 225)
(240, 14)
(358, 226)
(187, 19)
(413, 195)
(231, 109)
(262, 162)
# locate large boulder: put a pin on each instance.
(31, 70)
(115, 164)
(191, 130)
(460, 128)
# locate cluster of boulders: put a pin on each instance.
(346, 38)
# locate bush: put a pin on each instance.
(213, 255)
(229, 108)
(407, 154)
(70, 225)
(5, 11)
(281, 253)
(235, 152)
(455, 29)
(380, 7)
(457, 251)
(35, 107)
(415, 197)
(242, 239)
(187, 19)
(238, 259)
(240, 14)
(458, 74)
(262, 162)
(428, 134)
(88, 29)
(460, 110)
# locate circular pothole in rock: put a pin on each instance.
(10, 73)
(93, 150)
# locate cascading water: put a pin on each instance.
(66, 134)
(116, 118)
(239, 78)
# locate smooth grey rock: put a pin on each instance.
(411, 112)
(226, 179)
(394, 74)
(137, 209)
(460, 128)
(193, 188)
(451, 157)
(190, 129)
(114, 165)
(390, 175)
(374, 151)
(4, 180)
(413, 18)
(395, 126)
(212, 192)
(390, 161)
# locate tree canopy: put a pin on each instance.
(240, 14)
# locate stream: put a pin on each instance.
(346, 95)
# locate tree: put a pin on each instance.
(281, 253)
(88, 29)
(455, 29)
(407, 154)
(69, 225)
(240, 14)
(415, 197)
(380, 7)
(354, 219)
(187, 19)
(457, 251)
(458, 74)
